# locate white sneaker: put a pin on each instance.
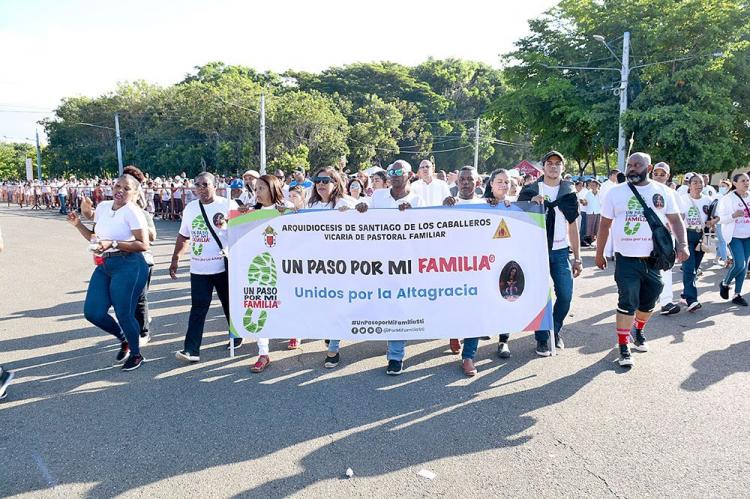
(186, 356)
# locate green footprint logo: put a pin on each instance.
(262, 270)
(633, 205)
(252, 326)
(198, 224)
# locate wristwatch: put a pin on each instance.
(114, 244)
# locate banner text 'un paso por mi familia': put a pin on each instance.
(464, 271)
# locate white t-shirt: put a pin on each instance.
(247, 198)
(630, 233)
(709, 191)
(560, 236)
(593, 205)
(205, 255)
(474, 200)
(683, 189)
(605, 188)
(434, 193)
(729, 204)
(118, 225)
(382, 199)
(344, 201)
(694, 211)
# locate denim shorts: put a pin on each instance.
(638, 284)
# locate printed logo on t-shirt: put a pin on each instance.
(658, 201)
(693, 218)
(634, 215)
(199, 235)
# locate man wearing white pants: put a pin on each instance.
(660, 174)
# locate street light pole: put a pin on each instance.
(262, 134)
(119, 147)
(38, 158)
(624, 73)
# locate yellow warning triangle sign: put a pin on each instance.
(502, 231)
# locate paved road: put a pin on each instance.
(573, 425)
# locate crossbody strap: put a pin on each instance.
(747, 210)
(210, 227)
(651, 217)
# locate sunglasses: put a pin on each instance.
(396, 172)
(323, 180)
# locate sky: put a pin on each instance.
(62, 48)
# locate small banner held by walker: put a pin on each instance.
(422, 273)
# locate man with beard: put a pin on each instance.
(638, 281)
(561, 210)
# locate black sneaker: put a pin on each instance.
(332, 362)
(670, 309)
(724, 290)
(739, 300)
(502, 350)
(133, 363)
(639, 341)
(694, 306)
(124, 352)
(395, 367)
(5, 378)
(625, 359)
(559, 344)
(237, 343)
(542, 348)
(186, 356)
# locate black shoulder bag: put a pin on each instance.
(216, 238)
(663, 255)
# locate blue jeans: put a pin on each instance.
(63, 203)
(690, 266)
(470, 348)
(118, 283)
(740, 249)
(396, 349)
(333, 346)
(721, 244)
(562, 279)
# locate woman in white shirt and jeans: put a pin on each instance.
(734, 214)
(119, 238)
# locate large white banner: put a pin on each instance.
(464, 271)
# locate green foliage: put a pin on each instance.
(13, 160)
(690, 112)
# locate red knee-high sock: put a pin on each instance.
(623, 335)
(639, 324)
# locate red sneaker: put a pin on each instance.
(261, 364)
(293, 344)
(455, 346)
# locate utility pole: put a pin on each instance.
(476, 145)
(262, 134)
(119, 146)
(624, 72)
(38, 158)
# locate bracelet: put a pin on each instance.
(578, 260)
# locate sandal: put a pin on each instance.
(468, 367)
(261, 364)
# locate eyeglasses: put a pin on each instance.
(203, 184)
(399, 172)
(322, 180)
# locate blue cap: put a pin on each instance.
(236, 184)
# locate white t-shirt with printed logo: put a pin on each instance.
(694, 210)
(205, 255)
(729, 204)
(630, 233)
(474, 200)
(560, 236)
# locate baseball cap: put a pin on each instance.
(662, 166)
(236, 184)
(553, 153)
